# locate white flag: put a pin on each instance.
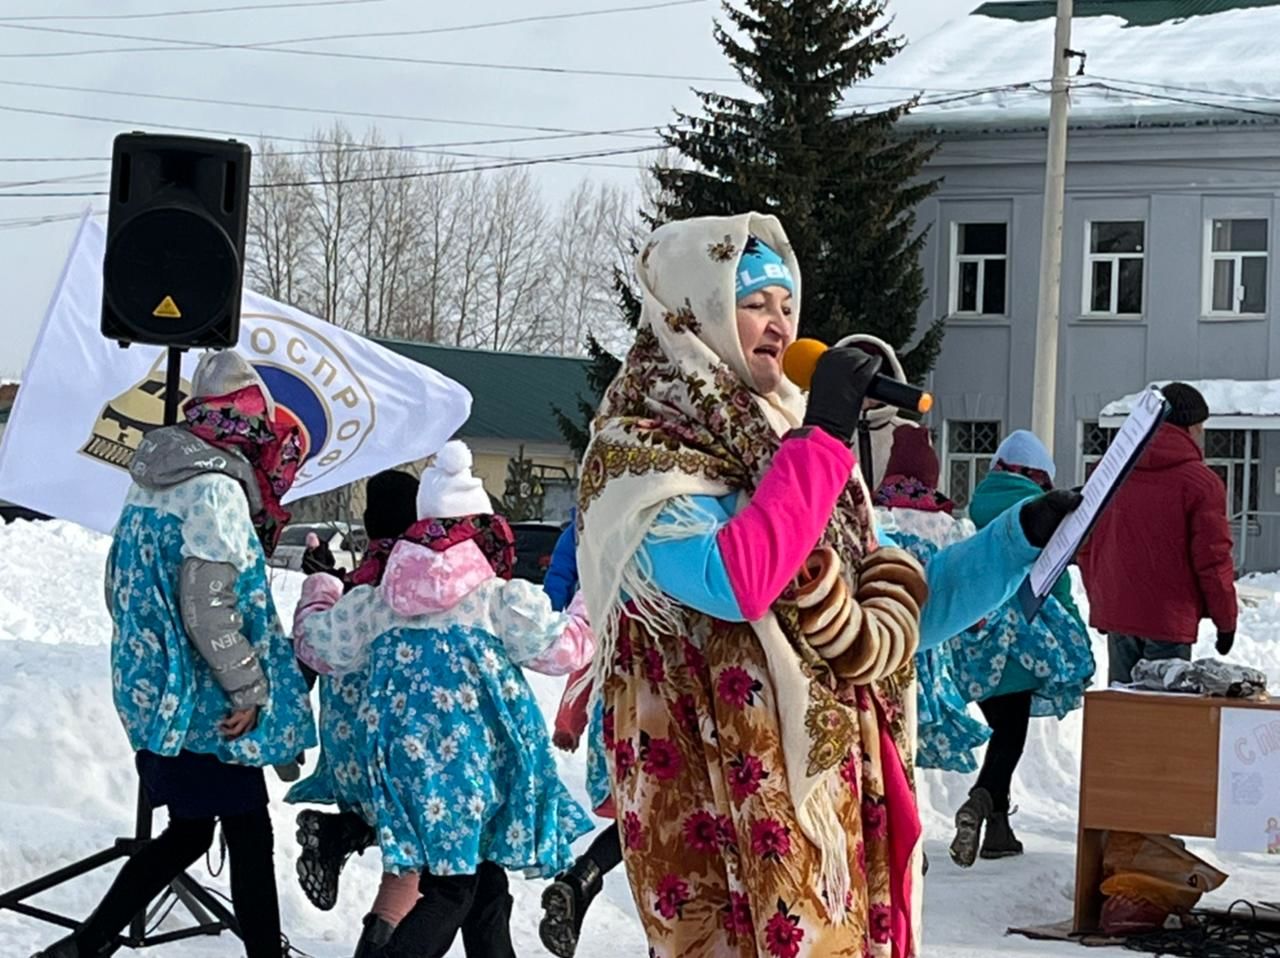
(85, 403)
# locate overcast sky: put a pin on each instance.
(675, 39)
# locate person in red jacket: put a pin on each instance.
(1160, 558)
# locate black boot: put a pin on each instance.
(377, 932)
(964, 847)
(564, 904)
(999, 840)
(327, 842)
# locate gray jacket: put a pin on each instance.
(206, 590)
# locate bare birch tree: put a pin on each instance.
(279, 242)
(515, 261)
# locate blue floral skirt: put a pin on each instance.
(948, 734)
(1052, 656)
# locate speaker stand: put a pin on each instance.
(211, 915)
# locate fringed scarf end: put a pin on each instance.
(833, 851)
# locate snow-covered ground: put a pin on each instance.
(67, 786)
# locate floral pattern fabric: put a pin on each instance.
(165, 693)
(460, 762)
(947, 734)
(456, 752)
(339, 776)
(710, 839)
(737, 809)
(1050, 655)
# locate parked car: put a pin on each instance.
(534, 544)
(346, 542)
(10, 512)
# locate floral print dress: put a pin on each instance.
(164, 692)
(706, 819)
(947, 734)
(456, 752)
(339, 776)
(1050, 655)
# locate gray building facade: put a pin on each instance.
(1167, 273)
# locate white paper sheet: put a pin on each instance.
(1147, 415)
(1249, 781)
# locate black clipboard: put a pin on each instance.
(1028, 601)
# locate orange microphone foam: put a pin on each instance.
(801, 358)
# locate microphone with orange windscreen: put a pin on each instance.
(801, 359)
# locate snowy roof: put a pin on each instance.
(1150, 62)
(1256, 401)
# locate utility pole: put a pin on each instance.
(1045, 383)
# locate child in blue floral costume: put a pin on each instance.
(459, 763)
(1014, 668)
(328, 840)
(918, 517)
(205, 680)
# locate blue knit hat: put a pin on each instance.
(1024, 448)
(761, 267)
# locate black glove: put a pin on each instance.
(839, 385)
(1225, 641)
(1041, 517)
(318, 559)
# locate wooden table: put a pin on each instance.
(1149, 763)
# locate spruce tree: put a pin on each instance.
(604, 366)
(845, 184)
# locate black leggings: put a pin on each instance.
(478, 905)
(1008, 716)
(150, 870)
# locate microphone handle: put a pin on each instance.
(887, 390)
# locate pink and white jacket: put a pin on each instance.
(423, 590)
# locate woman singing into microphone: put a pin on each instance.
(759, 726)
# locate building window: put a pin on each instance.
(970, 446)
(1236, 271)
(1113, 268)
(1224, 453)
(1094, 442)
(979, 272)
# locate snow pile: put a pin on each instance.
(41, 566)
(1226, 397)
(68, 787)
(1222, 58)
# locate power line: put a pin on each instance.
(383, 177)
(1254, 97)
(429, 149)
(241, 134)
(279, 46)
(169, 44)
(256, 7)
(485, 25)
(291, 108)
(1207, 104)
(1024, 87)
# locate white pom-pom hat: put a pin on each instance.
(448, 490)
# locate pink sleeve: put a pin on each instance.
(765, 544)
(573, 648)
(320, 593)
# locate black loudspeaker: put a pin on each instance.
(175, 241)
